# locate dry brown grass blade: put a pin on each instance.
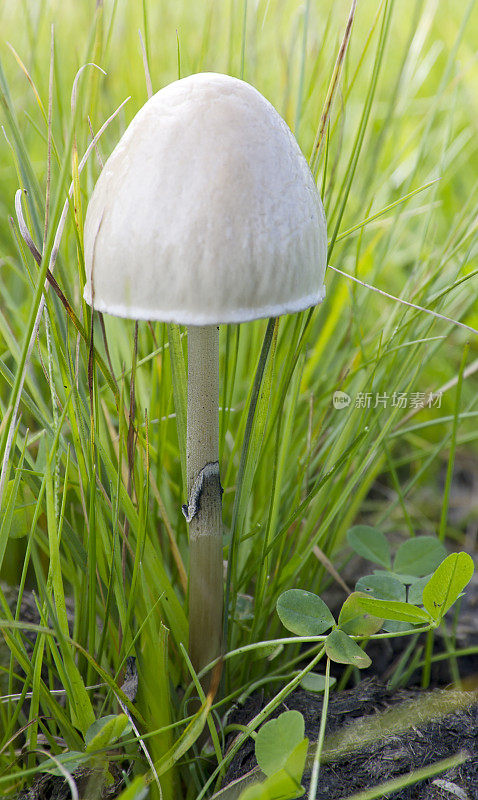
(28, 77)
(326, 562)
(334, 81)
(25, 233)
(215, 681)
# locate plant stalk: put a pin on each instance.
(204, 509)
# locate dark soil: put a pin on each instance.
(88, 783)
(429, 735)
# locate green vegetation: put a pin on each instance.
(280, 746)
(92, 411)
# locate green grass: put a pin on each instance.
(87, 519)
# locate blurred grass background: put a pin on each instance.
(404, 117)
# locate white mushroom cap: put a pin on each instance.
(205, 212)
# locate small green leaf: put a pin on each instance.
(371, 544)
(342, 649)
(354, 621)
(313, 682)
(105, 731)
(277, 739)
(419, 556)
(304, 613)
(283, 784)
(447, 583)
(388, 609)
(382, 586)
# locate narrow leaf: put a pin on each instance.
(447, 583)
(388, 609)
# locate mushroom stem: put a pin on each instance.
(204, 509)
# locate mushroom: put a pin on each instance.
(205, 213)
